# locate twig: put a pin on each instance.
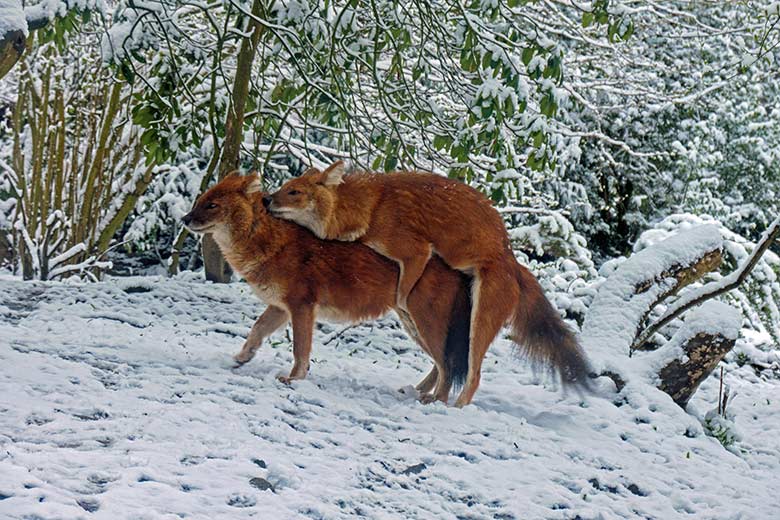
(338, 334)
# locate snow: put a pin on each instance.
(118, 397)
(12, 17)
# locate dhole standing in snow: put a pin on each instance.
(301, 277)
(408, 217)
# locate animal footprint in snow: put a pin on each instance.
(238, 500)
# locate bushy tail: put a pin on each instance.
(456, 347)
(543, 336)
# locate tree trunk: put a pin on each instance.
(217, 269)
(713, 289)
(6, 251)
(12, 46)
(684, 276)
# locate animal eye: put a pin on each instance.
(293, 192)
(211, 205)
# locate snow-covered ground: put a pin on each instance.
(118, 400)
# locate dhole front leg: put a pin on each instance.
(269, 322)
(303, 327)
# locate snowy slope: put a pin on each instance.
(117, 400)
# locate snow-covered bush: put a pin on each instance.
(472, 89)
(71, 163)
(681, 117)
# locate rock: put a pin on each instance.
(414, 470)
(133, 289)
(260, 463)
(261, 484)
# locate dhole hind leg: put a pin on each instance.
(436, 385)
(269, 322)
(411, 268)
(428, 382)
(303, 326)
(492, 300)
(441, 391)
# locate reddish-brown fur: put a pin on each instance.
(301, 277)
(408, 217)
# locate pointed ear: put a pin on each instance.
(334, 174)
(254, 185)
(312, 173)
(234, 173)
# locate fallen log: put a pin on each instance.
(708, 334)
(627, 297)
(641, 282)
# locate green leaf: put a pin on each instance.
(391, 161)
(533, 163)
(459, 153)
(523, 105)
(548, 105)
(138, 56)
(629, 32)
(148, 137)
(587, 19)
(143, 116)
(440, 142)
(509, 107)
(151, 153)
(528, 54)
(612, 32)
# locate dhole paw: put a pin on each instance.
(287, 380)
(427, 398)
(242, 359)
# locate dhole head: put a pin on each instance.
(307, 197)
(218, 209)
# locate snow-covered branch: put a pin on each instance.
(712, 289)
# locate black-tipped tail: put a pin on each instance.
(544, 338)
